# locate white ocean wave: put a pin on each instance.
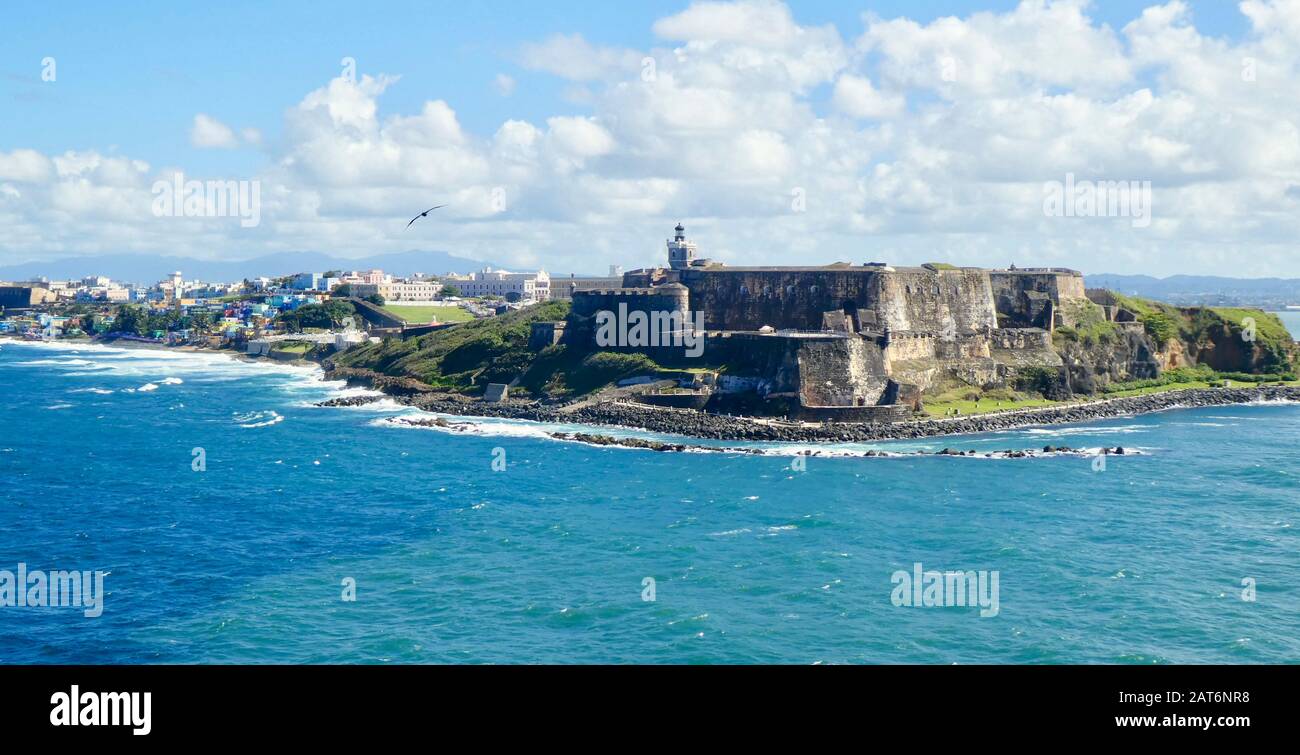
(54, 363)
(1083, 430)
(382, 405)
(1271, 402)
(169, 367)
(258, 419)
(463, 426)
(337, 389)
(415, 419)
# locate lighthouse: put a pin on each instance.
(681, 253)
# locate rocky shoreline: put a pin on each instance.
(593, 439)
(719, 427)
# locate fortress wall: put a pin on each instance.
(748, 299)
(1021, 339)
(938, 301)
(772, 358)
(544, 334)
(913, 346)
(1060, 284)
(1011, 286)
(663, 299)
(904, 346)
(823, 371)
(662, 337)
(919, 299)
(972, 346)
(1070, 287)
(909, 299)
(841, 372)
(648, 277)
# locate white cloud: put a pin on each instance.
(578, 137)
(909, 142)
(210, 133)
(25, 165)
(573, 57)
(504, 84)
(857, 97)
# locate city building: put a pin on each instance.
(307, 282)
(527, 288)
(399, 290)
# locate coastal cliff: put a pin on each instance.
(1150, 339)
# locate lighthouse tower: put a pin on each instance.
(681, 253)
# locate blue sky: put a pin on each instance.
(133, 82)
(835, 100)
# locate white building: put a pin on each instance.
(524, 287)
(400, 290)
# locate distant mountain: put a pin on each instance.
(1203, 289)
(148, 268)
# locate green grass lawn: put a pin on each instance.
(941, 407)
(1163, 388)
(429, 314)
(946, 402)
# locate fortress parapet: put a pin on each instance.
(1032, 297)
(667, 298)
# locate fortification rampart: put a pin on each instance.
(841, 372)
(1029, 298)
(799, 298)
(913, 345)
(920, 299)
(666, 298)
(1021, 339)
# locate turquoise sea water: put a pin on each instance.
(753, 561)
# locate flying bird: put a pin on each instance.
(424, 214)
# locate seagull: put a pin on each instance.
(424, 214)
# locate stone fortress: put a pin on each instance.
(844, 341)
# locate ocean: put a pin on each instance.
(1183, 552)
